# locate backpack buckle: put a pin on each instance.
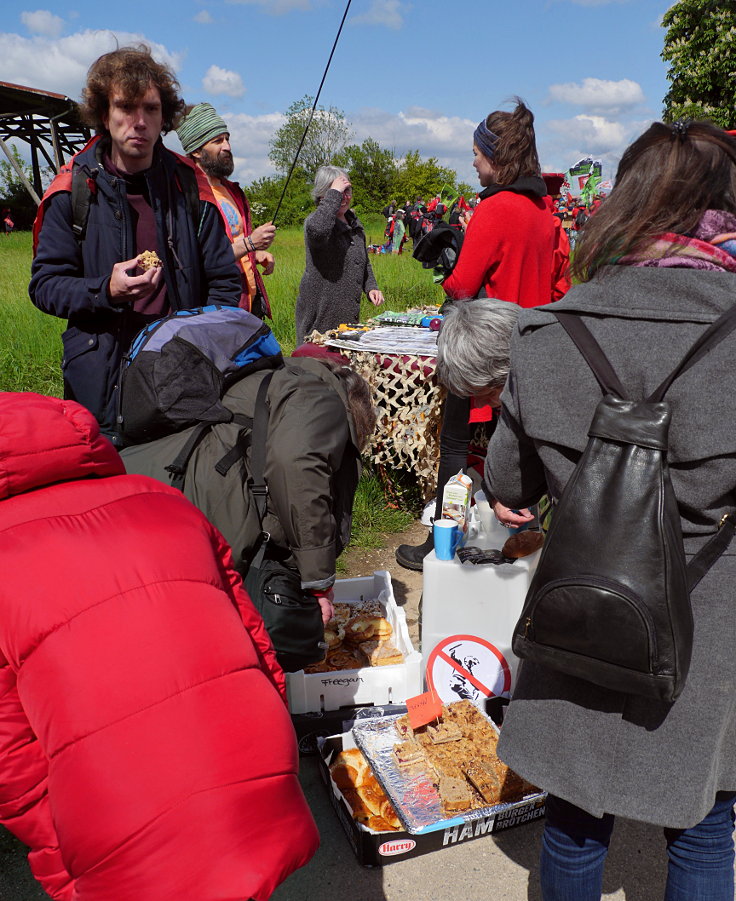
(727, 517)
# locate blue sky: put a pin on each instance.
(412, 74)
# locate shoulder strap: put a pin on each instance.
(592, 353)
(177, 469)
(258, 487)
(608, 380)
(604, 371)
(81, 194)
(714, 334)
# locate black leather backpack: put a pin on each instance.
(610, 598)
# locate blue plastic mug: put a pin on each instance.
(447, 538)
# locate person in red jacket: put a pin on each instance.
(508, 253)
(146, 752)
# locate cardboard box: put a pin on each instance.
(378, 849)
(310, 727)
(319, 692)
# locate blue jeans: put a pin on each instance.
(575, 844)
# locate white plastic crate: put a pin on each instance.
(315, 692)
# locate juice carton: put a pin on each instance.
(456, 497)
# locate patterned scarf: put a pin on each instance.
(712, 245)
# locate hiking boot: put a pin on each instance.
(412, 556)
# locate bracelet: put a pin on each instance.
(249, 240)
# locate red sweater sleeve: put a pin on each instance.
(479, 253)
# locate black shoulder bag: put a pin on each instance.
(610, 598)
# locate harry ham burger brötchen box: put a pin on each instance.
(378, 849)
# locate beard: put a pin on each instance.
(216, 165)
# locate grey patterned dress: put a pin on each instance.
(337, 269)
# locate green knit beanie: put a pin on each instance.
(199, 126)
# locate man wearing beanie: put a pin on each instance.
(205, 138)
(123, 195)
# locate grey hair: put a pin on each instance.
(473, 347)
(323, 178)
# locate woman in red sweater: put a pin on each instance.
(508, 253)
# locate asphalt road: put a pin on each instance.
(502, 868)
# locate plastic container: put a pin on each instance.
(468, 616)
(317, 692)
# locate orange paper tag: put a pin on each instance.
(423, 708)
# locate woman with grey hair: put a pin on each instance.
(473, 349)
(337, 270)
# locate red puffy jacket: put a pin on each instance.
(146, 752)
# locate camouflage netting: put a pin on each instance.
(409, 403)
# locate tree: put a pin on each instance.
(372, 171)
(700, 46)
(328, 133)
(416, 177)
(264, 195)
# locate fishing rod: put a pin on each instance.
(311, 114)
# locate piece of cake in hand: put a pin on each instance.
(149, 259)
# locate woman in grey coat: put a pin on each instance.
(657, 265)
(337, 270)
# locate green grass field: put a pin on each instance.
(30, 343)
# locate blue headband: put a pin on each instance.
(485, 140)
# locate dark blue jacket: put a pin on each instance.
(70, 281)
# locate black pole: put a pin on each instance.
(311, 114)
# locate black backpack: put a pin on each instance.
(610, 598)
(179, 367)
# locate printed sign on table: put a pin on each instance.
(466, 667)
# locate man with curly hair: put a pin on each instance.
(121, 196)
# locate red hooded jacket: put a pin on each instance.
(146, 752)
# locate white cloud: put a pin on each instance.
(276, 7)
(596, 95)
(223, 81)
(383, 12)
(448, 138)
(249, 138)
(565, 141)
(204, 18)
(43, 22)
(61, 65)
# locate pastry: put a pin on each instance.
(364, 627)
(522, 544)
(403, 726)
(455, 794)
(334, 636)
(409, 753)
(484, 780)
(379, 824)
(379, 654)
(342, 659)
(149, 259)
(349, 768)
(443, 732)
